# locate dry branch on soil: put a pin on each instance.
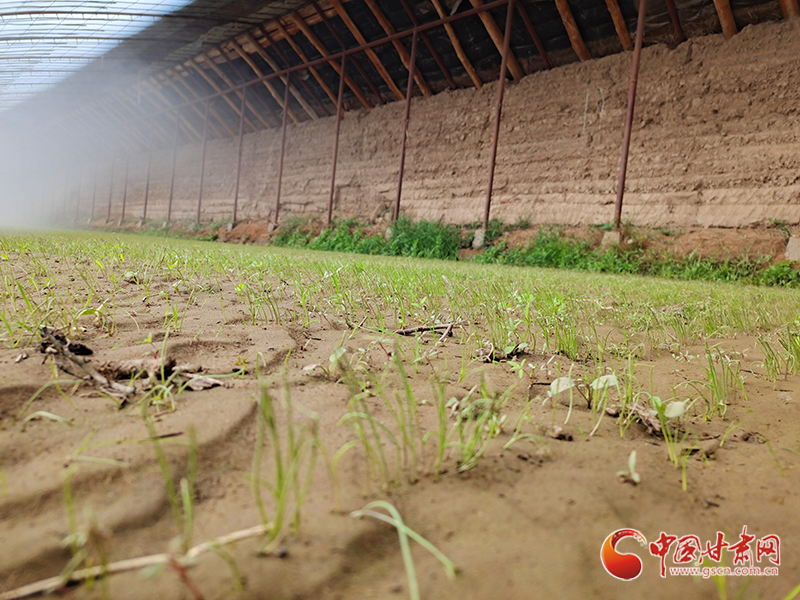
(132, 564)
(54, 342)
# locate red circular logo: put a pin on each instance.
(622, 566)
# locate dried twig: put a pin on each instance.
(132, 564)
(88, 371)
(447, 332)
(413, 330)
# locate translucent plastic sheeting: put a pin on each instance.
(43, 42)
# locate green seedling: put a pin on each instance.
(630, 476)
(404, 532)
(293, 457)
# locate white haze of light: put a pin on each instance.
(32, 182)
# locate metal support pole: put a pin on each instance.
(174, 164)
(125, 188)
(239, 161)
(626, 139)
(283, 146)
(94, 189)
(336, 138)
(676, 21)
(532, 32)
(203, 160)
(78, 198)
(501, 85)
(147, 182)
(407, 116)
(431, 48)
(111, 188)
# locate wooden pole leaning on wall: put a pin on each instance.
(283, 146)
(174, 165)
(339, 109)
(409, 89)
(501, 84)
(626, 139)
(203, 161)
(239, 159)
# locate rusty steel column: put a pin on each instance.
(111, 188)
(174, 164)
(501, 85)
(125, 188)
(534, 36)
(283, 145)
(431, 48)
(626, 139)
(676, 21)
(94, 188)
(239, 160)
(149, 163)
(339, 109)
(78, 198)
(203, 160)
(406, 117)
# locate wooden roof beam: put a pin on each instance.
(218, 89)
(302, 56)
(398, 46)
(185, 97)
(334, 63)
(619, 24)
(192, 94)
(534, 36)
(229, 83)
(188, 127)
(497, 37)
(267, 84)
(353, 58)
(287, 64)
(369, 51)
(790, 9)
(451, 33)
(573, 32)
(725, 15)
(431, 48)
(275, 67)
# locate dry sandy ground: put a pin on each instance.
(526, 522)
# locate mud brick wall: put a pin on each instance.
(716, 142)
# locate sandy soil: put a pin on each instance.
(527, 521)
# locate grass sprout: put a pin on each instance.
(404, 533)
